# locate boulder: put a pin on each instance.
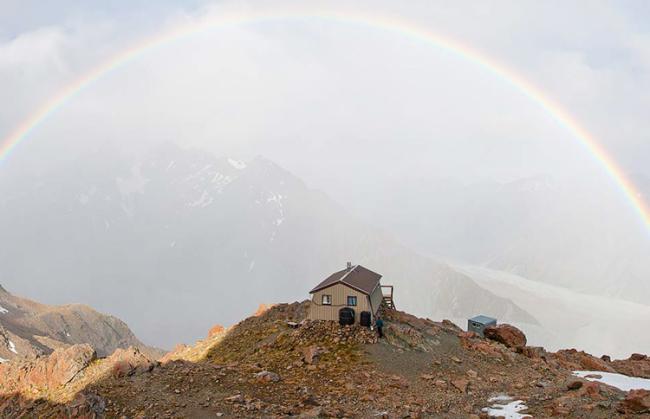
(311, 354)
(267, 376)
(532, 352)
(507, 335)
(460, 384)
(637, 401)
(125, 362)
(574, 384)
(638, 357)
(121, 369)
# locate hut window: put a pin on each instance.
(327, 300)
(352, 300)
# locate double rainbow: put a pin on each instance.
(391, 24)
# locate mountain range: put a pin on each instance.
(174, 239)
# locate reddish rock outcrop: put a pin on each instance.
(217, 329)
(637, 365)
(263, 308)
(48, 372)
(580, 360)
(636, 401)
(507, 335)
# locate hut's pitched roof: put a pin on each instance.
(361, 279)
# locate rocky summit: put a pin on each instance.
(279, 364)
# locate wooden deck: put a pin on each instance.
(387, 292)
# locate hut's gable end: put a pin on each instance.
(339, 294)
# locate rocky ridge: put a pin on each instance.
(278, 364)
(29, 329)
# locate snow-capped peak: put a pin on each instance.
(237, 164)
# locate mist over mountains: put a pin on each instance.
(175, 240)
(559, 231)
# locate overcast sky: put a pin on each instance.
(315, 94)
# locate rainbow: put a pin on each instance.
(392, 24)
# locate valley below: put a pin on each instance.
(568, 318)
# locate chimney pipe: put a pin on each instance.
(349, 265)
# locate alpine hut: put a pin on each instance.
(352, 295)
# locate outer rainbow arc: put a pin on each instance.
(402, 27)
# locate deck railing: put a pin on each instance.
(387, 294)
